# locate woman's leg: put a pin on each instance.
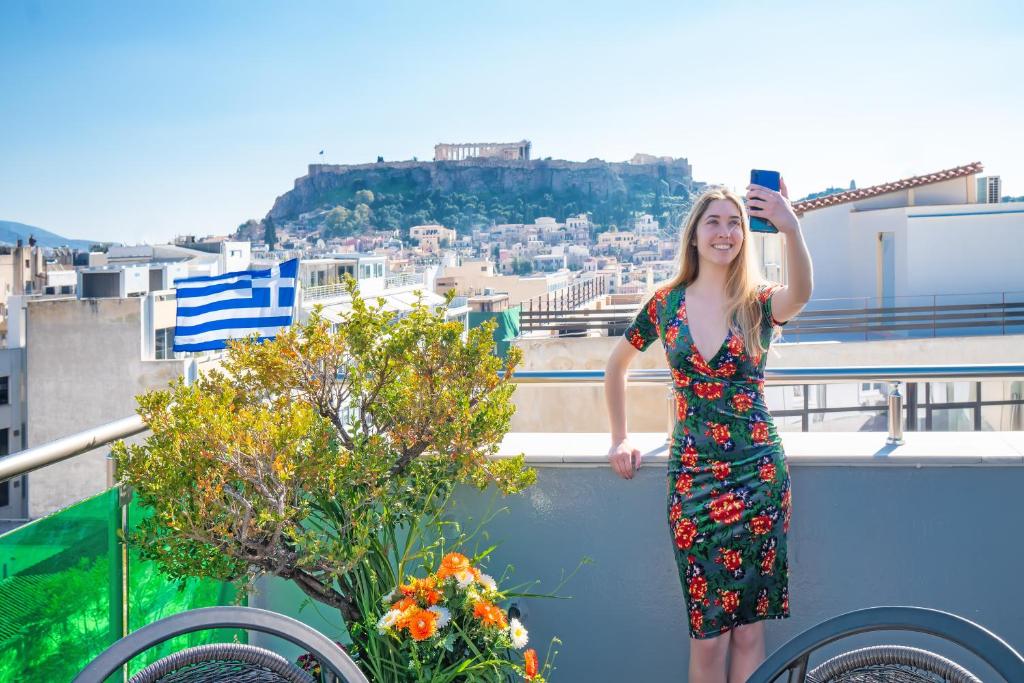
(747, 651)
(707, 659)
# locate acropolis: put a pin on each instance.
(508, 151)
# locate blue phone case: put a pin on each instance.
(769, 179)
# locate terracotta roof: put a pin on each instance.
(895, 186)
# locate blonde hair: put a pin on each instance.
(741, 282)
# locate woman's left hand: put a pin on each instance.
(773, 206)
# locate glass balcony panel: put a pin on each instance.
(153, 596)
(63, 596)
(59, 588)
(1002, 390)
(850, 421)
(1002, 418)
(788, 423)
(953, 392)
(953, 420)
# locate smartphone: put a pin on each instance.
(769, 179)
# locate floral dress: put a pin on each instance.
(729, 491)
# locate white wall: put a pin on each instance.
(978, 250)
(827, 236)
(982, 252)
(235, 256)
(84, 368)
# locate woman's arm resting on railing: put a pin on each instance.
(623, 457)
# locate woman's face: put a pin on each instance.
(720, 226)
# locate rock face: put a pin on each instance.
(327, 185)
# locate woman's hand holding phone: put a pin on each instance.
(773, 206)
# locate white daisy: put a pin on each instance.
(464, 577)
(387, 599)
(387, 621)
(487, 582)
(443, 615)
(518, 634)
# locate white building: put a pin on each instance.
(614, 239)
(646, 225)
(432, 238)
(925, 235)
(989, 189)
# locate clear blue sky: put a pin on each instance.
(136, 121)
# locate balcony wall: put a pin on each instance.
(932, 523)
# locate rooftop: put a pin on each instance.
(903, 184)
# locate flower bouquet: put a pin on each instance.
(449, 627)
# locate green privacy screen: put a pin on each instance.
(505, 332)
(66, 587)
(151, 597)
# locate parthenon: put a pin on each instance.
(508, 151)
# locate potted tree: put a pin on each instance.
(327, 457)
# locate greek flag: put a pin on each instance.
(213, 309)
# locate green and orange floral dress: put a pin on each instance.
(729, 490)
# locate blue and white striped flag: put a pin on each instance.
(213, 309)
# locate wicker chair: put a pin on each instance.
(890, 663)
(230, 663)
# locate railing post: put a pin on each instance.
(895, 416)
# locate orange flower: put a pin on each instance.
(452, 564)
(531, 663)
(404, 604)
(419, 622)
(422, 589)
(490, 614)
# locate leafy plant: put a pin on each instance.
(314, 455)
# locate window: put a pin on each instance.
(5, 394)
(164, 349)
(4, 441)
(5, 494)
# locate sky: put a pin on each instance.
(135, 122)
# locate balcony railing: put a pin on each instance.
(337, 289)
(848, 319)
(65, 591)
(564, 300)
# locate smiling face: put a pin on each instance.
(719, 233)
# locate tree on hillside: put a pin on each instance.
(269, 233)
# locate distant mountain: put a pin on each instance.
(11, 232)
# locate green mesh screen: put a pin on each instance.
(66, 591)
(152, 597)
(59, 592)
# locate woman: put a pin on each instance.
(728, 486)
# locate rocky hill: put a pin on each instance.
(459, 193)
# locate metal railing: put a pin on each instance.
(845, 319)
(336, 289)
(555, 304)
(893, 374)
(67, 447)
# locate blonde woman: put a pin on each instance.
(728, 501)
